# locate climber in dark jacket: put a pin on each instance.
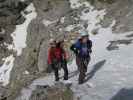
(57, 59)
(82, 50)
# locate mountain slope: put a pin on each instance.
(24, 36)
(110, 68)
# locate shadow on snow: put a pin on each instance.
(123, 94)
(96, 67)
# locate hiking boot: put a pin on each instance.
(57, 79)
(65, 78)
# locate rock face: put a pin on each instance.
(40, 34)
(118, 10)
(33, 59)
(10, 16)
(57, 92)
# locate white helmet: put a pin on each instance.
(52, 40)
(83, 33)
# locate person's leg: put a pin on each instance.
(78, 63)
(81, 76)
(64, 66)
(56, 73)
(87, 60)
(82, 71)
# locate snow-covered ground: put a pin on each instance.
(19, 42)
(108, 71)
(5, 70)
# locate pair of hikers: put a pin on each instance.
(81, 48)
(57, 58)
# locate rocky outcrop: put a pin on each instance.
(57, 92)
(117, 10)
(33, 59)
(10, 16)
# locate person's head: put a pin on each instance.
(84, 36)
(84, 39)
(52, 43)
(60, 43)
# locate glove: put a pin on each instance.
(76, 52)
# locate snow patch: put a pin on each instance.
(27, 92)
(26, 72)
(69, 28)
(2, 31)
(62, 20)
(93, 18)
(5, 70)
(77, 3)
(19, 42)
(22, 0)
(48, 22)
(20, 34)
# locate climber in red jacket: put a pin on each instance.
(57, 58)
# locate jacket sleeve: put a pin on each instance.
(49, 57)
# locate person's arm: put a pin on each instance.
(74, 49)
(90, 46)
(65, 55)
(49, 57)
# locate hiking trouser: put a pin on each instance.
(64, 66)
(82, 64)
(56, 68)
(56, 73)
